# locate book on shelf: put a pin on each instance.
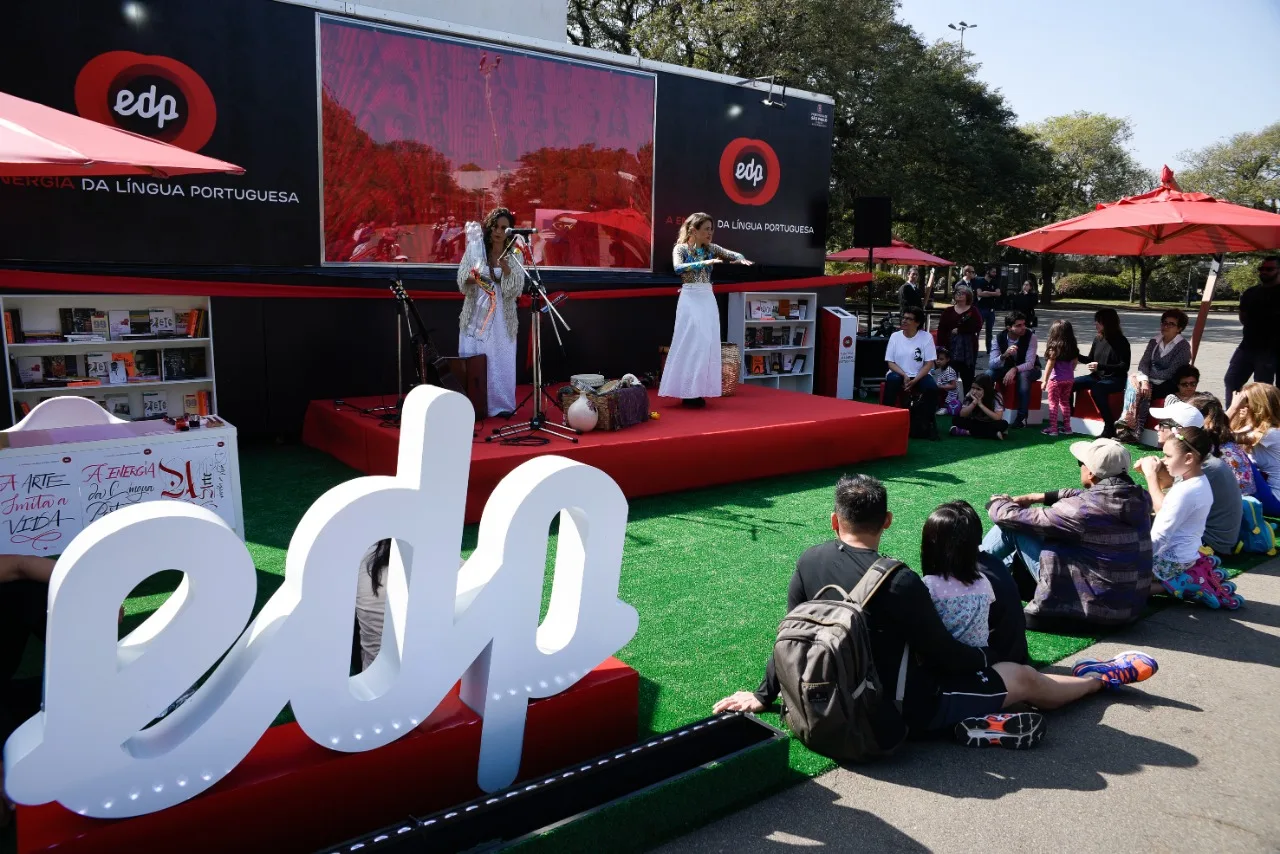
(794, 312)
(783, 309)
(775, 363)
(801, 335)
(797, 366)
(803, 306)
(140, 322)
(13, 326)
(757, 365)
(190, 403)
(30, 370)
(184, 363)
(750, 337)
(118, 324)
(57, 367)
(787, 360)
(766, 336)
(162, 321)
(24, 409)
(122, 368)
(98, 365)
(146, 365)
(101, 326)
(155, 404)
(76, 320)
(783, 334)
(118, 405)
(43, 336)
(204, 402)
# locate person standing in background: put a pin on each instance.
(910, 295)
(1260, 316)
(990, 294)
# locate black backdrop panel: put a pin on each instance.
(257, 59)
(761, 172)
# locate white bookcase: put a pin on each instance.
(40, 312)
(742, 325)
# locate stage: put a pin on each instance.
(756, 433)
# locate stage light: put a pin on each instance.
(735, 110)
(134, 12)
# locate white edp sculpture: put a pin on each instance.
(89, 750)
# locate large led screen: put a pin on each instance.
(421, 134)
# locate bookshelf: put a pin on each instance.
(747, 332)
(182, 366)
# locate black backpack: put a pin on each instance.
(831, 692)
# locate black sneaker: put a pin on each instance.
(1019, 423)
(1013, 730)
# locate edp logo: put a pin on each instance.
(750, 172)
(148, 105)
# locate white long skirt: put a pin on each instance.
(500, 357)
(693, 364)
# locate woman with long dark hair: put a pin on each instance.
(958, 329)
(1108, 364)
(693, 370)
(490, 284)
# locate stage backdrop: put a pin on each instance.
(409, 136)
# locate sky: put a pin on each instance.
(1185, 72)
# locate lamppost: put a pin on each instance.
(960, 28)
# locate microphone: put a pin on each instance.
(527, 232)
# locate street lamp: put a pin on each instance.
(960, 28)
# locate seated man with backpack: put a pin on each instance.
(855, 681)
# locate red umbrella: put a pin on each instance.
(36, 140)
(901, 252)
(1165, 221)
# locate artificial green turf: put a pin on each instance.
(708, 569)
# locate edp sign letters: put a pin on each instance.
(89, 749)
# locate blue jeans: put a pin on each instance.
(1005, 545)
(1260, 364)
(1025, 379)
(927, 387)
(988, 320)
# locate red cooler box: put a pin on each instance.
(837, 334)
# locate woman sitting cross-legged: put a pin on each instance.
(1154, 379)
(982, 414)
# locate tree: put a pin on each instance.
(1091, 164)
(1244, 169)
(911, 120)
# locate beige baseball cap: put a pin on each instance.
(1103, 457)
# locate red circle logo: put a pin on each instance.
(154, 96)
(847, 342)
(749, 171)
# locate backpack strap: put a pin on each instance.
(873, 579)
(844, 594)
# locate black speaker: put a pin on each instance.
(872, 222)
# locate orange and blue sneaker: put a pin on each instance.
(1123, 669)
(1012, 730)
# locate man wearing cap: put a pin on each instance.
(1087, 551)
(1222, 530)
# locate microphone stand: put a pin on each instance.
(538, 422)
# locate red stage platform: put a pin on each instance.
(756, 433)
(292, 795)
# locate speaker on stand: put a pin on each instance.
(872, 227)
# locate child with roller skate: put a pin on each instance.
(1181, 514)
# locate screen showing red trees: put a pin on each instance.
(421, 134)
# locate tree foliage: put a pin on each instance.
(912, 121)
(1244, 169)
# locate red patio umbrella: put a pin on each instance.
(1165, 221)
(901, 252)
(36, 140)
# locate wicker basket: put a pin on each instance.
(730, 368)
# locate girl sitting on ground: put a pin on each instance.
(948, 383)
(949, 561)
(1255, 421)
(1218, 426)
(1061, 354)
(1181, 512)
(983, 412)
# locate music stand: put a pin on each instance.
(538, 422)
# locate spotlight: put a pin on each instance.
(134, 12)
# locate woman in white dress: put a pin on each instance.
(692, 371)
(490, 284)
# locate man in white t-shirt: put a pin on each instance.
(911, 355)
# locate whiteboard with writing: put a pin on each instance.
(49, 494)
